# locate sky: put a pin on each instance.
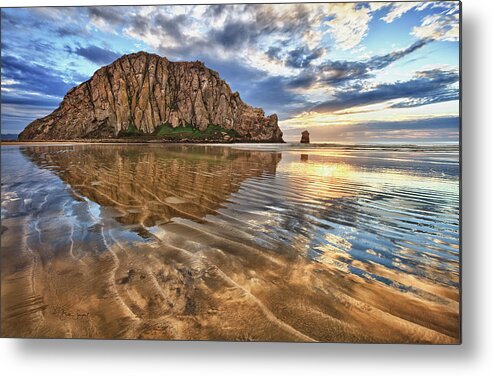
(347, 72)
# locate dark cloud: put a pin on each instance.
(171, 26)
(237, 33)
(62, 21)
(33, 77)
(31, 90)
(234, 35)
(273, 94)
(266, 21)
(342, 72)
(302, 81)
(302, 57)
(339, 73)
(214, 11)
(257, 88)
(431, 86)
(33, 100)
(380, 62)
(94, 54)
(43, 47)
(72, 30)
(274, 52)
(139, 24)
(234, 72)
(111, 15)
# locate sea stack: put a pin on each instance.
(305, 137)
(148, 96)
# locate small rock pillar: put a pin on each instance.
(305, 137)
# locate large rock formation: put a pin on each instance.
(141, 92)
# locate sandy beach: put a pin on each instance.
(108, 241)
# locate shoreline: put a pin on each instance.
(132, 141)
(297, 145)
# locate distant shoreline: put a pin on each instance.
(257, 145)
(130, 141)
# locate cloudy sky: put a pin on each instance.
(347, 72)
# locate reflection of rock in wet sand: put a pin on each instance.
(149, 186)
(79, 273)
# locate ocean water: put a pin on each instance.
(337, 243)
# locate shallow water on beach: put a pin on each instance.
(237, 242)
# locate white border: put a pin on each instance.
(88, 358)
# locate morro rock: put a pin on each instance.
(143, 94)
(305, 137)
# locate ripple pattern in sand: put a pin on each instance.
(195, 242)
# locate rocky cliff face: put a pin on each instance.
(141, 92)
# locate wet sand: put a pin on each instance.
(138, 242)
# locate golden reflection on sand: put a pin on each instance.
(199, 271)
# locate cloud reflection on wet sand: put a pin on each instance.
(196, 242)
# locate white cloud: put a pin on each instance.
(376, 6)
(8, 82)
(349, 23)
(397, 10)
(444, 27)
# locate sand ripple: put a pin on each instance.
(204, 242)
